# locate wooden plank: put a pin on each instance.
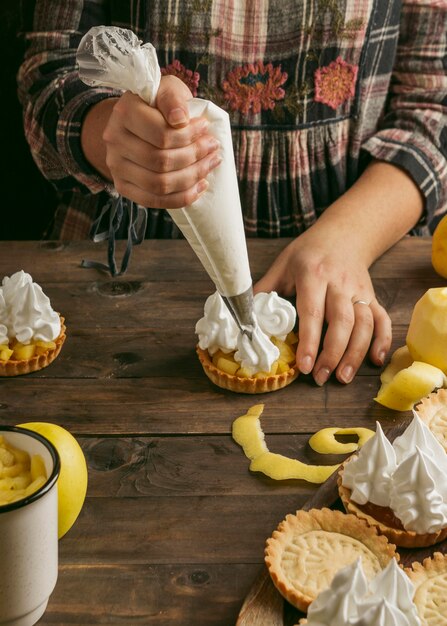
(162, 305)
(166, 259)
(186, 405)
(190, 466)
(141, 353)
(182, 530)
(164, 595)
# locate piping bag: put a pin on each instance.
(213, 226)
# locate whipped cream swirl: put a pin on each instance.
(28, 310)
(275, 315)
(352, 601)
(217, 330)
(419, 493)
(369, 474)
(408, 477)
(4, 339)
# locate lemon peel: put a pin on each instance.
(247, 432)
(324, 440)
(280, 467)
(409, 385)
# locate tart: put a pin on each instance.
(24, 359)
(384, 519)
(430, 581)
(308, 548)
(260, 383)
(433, 412)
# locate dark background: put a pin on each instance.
(27, 200)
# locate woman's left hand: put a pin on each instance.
(332, 284)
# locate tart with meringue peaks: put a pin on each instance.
(233, 361)
(400, 488)
(31, 333)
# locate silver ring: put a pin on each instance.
(360, 302)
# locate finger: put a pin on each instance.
(148, 123)
(172, 101)
(340, 320)
(162, 185)
(359, 343)
(382, 333)
(148, 199)
(146, 155)
(310, 305)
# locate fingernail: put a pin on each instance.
(213, 144)
(215, 161)
(177, 116)
(382, 357)
(202, 186)
(322, 375)
(347, 374)
(306, 364)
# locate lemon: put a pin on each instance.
(439, 248)
(427, 332)
(72, 482)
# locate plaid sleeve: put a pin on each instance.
(413, 131)
(54, 99)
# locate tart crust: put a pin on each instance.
(38, 361)
(400, 537)
(433, 412)
(308, 548)
(430, 581)
(242, 384)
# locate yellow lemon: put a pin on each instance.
(72, 483)
(427, 332)
(439, 248)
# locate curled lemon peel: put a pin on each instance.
(402, 388)
(247, 432)
(324, 440)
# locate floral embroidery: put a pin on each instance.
(190, 78)
(254, 87)
(335, 83)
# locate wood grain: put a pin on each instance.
(174, 525)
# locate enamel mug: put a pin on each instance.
(28, 538)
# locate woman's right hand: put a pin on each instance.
(157, 157)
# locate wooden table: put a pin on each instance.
(173, 528)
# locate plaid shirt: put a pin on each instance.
(314, 89)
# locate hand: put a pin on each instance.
(329, 281)
(157, 157)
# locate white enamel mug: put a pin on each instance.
(28, 538)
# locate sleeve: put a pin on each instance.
(413, 131)
(53, 97)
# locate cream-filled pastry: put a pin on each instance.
(262, 362)
(399, 487)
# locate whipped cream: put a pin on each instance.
(407, 476)
(275, 315)
(217, 329)
(419, 493)
(418, 435)
(4, 339)
(28, 312)
(353, 601)
(369, 474)
(256, 354)
(272, 316)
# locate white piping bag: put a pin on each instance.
(213, 226)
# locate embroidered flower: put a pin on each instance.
(190, 78)
(254, 87)
(335, 83)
